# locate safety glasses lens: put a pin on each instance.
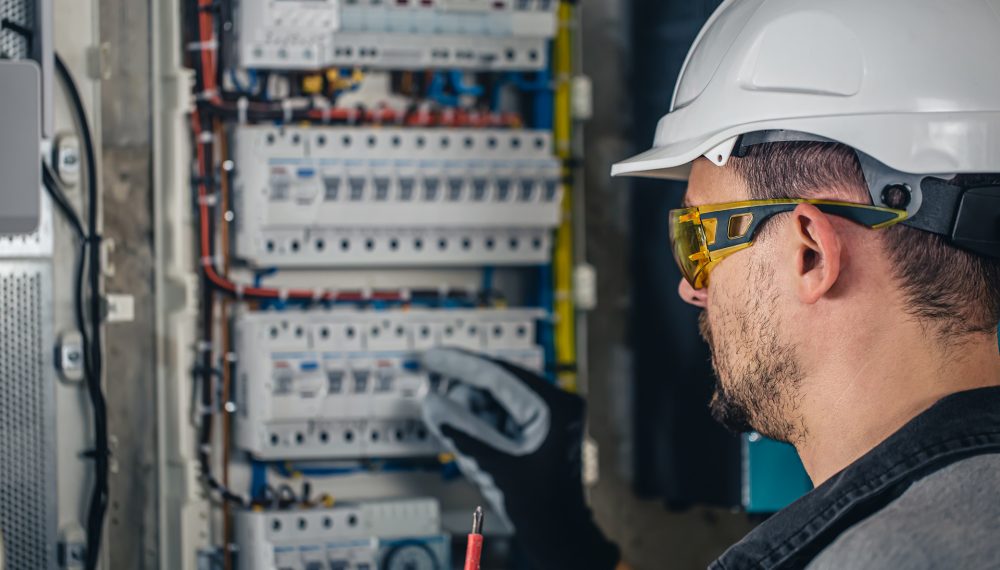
(687, 239)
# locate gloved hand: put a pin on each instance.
(519, 439)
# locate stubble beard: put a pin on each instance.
(758, 376)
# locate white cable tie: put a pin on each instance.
(232, 357)
(238, 290)
(286, 107)
(443, 290)
(205, 448)
(366, 293)
(210, 45)
(208, 199)
(208, 261)
(242, 104)
(207, 95)
(206, 137)
(283, 293)
(203, 346)
(318, 295)
(405, 295)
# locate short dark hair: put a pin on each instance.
(956, 291)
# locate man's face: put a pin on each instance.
(756, 365)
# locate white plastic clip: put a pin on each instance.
(207, 95)
(242, 104)
(283, 293)
(286, 107)
(203, 346)
(318, 295)
(238, 290)
(210, 45)
(206, 137)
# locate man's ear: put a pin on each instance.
(817, 253)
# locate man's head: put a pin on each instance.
(772, 311)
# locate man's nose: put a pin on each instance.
(697, 297)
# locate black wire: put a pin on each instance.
(93, 356)
(60, 200)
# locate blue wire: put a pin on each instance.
(251, 75)
(457, 83)
(258, 478)
(435, 91)
(487, 279)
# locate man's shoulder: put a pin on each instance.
(948, 519)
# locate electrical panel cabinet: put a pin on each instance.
(392, 169)
(396, 34)
(339, 196)
(346, 383)
(383, 535)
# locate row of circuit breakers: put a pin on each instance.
(396, 34)
(342, 384)
(345, 384)
(376, 535)
(342, 196)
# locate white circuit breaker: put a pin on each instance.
(383, 535)
(338, 384)
(396, 34)
(343, 196)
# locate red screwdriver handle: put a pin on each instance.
(473, 552)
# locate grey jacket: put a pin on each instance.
(949, 519)
(926, 497)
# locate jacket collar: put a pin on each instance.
(958, 426)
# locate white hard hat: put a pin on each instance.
(912, 85)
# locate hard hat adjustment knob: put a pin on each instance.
(897, 196)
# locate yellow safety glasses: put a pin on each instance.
(704, 235)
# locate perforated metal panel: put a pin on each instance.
(12, 44)
(37, 244)
(27, 446)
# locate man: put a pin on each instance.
(841, 231)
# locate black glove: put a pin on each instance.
(519, 439)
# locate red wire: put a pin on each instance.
(238, 290)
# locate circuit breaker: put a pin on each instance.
(396, 34)
(343, 196)
(379, 535)
(347, 384)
